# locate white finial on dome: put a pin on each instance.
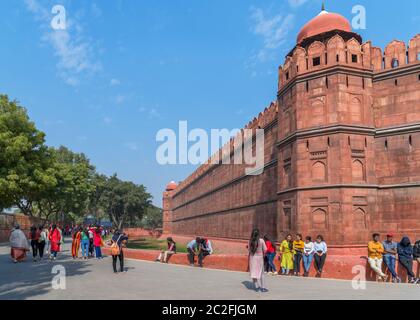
(323, 11)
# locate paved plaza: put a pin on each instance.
(94, 279)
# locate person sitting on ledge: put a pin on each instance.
(405, 256)
(286, 251)
(320, 248)
(390, 257)
(416, 251)
(165, 255)
(205, 250)
(193, 249)
(298, 246)
(375, 251)
(308, 255)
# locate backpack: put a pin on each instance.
(115, 248)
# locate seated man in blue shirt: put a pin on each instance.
(205, 250)
(193, 249)
(390, 256)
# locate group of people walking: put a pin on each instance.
(90, 240)
(87, 240)
(43, 239)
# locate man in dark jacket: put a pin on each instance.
(416, 251)
(405, 256)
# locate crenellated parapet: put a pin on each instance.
(336, 51)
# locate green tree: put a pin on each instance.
(99, 186)
(153, 218)
(124, 201)
(73, 175)
(24, 158)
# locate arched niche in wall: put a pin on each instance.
(359, 218)
(319, 219)
(319, 171)
(286, 122)
(356, 109)
(336, 49)
(358, 170)
(318, 111)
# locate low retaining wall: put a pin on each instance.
(134, 233)
(336, 266)
(8, 221)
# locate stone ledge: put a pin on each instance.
(336, 266)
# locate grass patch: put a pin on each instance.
(154, 244)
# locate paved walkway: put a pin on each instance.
(94, 279)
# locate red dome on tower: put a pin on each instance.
(324, 22)
(171, 186)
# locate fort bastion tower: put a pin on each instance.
(342, 153)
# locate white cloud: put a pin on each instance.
(273, 31)
(152, 113)
(131, 146)
(114, 82)
(297, 3)
(95, 10)
(120, 99)
(108, 120)
(75, 52)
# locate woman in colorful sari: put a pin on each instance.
(75, 245)
(19, 244)
(55, 239)
(286, 250)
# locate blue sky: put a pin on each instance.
(125, 69)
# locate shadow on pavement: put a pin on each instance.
(31, 279)
(249, 285)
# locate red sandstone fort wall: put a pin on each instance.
(7, 222)
(342, 153)
(223, 201)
